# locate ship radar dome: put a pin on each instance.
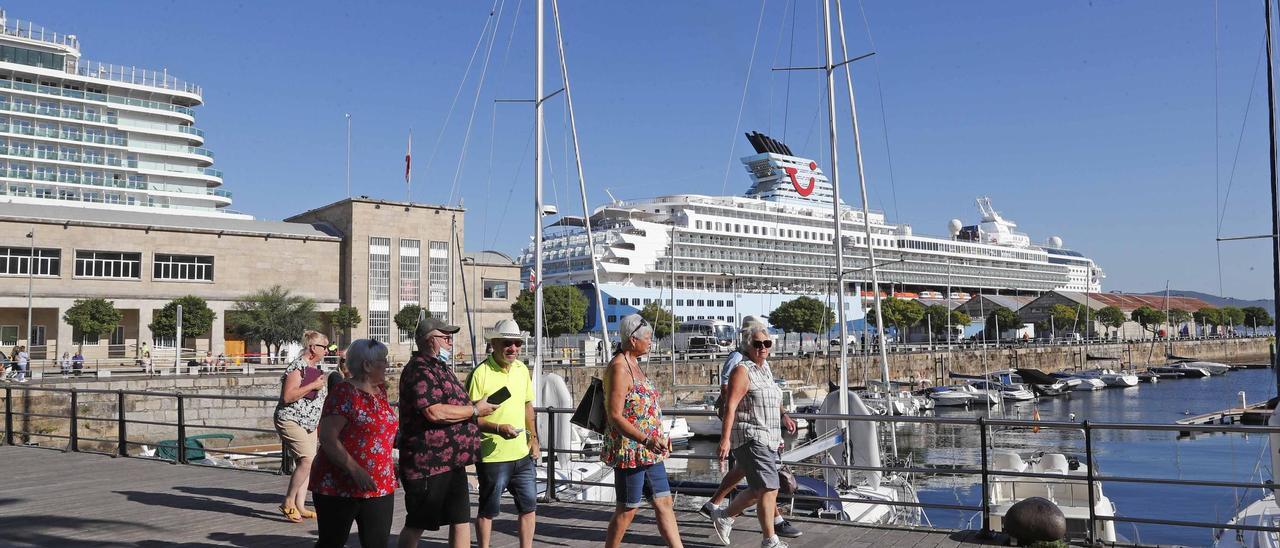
(954, 226)
(1055, 241)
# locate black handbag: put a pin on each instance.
(590, 411)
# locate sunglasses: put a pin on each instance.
(643, 324)
(762, 344)
(510, 342)
(324, 347)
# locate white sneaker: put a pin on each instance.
(23, 380)
(722, 524)
(773, 542)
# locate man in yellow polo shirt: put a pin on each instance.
(509, 447)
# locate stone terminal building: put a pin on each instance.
(375, 255)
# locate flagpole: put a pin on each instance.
(408, 169)
(348, 155)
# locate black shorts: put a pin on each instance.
(439, 500)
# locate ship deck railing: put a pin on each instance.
(60, 422)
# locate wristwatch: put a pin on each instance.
(475, 411)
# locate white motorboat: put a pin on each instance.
(981, 397)
(677, 430)
(1119, 379)
(707, 425)
(1011, 392)
(1214, 368)
(1071, 494)
(1264, 512)
(1086, 384)
(947, 396)
(1188, 371)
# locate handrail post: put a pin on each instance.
(8, 415)
(73, 437)
(986, 480)
(122, 438)
(182, 434)
(551, 454)
(1089, 478)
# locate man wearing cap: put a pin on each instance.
(438, 438)
(509, 448)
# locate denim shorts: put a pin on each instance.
(630, 485)
(515, 476)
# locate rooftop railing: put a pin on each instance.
(32, 31)
(135, 75)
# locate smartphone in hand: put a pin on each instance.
(496, 398)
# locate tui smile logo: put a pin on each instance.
(802, 190)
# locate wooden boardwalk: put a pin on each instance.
(50, 498)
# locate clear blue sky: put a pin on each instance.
(1099, 122)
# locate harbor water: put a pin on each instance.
(1146, 454)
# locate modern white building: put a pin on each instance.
(724, 257)
(75, 132)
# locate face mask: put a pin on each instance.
(444, 354)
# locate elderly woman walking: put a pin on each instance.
(354, 476)
(438, 439)
(302, 393)
(634, 444)
(752, 429)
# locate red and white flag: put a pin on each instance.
(408, 158)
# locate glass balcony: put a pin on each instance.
(134, 75)
(174, 148)
(16, 129)
(91, 96)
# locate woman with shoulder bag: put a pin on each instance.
(634, 444)
(302, 392)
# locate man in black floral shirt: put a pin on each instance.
(438, 439)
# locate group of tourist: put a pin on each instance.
(340, 431)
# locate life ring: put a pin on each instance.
(805, 190)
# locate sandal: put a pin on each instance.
(291, 514)
(306, 514)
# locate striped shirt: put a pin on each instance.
(759, 415)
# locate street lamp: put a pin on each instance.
(31, 273)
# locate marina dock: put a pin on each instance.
(80, 499)
(1255, 414)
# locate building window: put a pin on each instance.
(185, 268)
(410, 278)
(613, 300)
(108, 264)
(497, 289)
(438, 279)
(117, 336)
(9, 335)
(380, 289)
(86, 339)
(612, 319)
(17, 261)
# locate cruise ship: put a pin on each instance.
(724, 257)
(75, 132)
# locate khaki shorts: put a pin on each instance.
(295, 440)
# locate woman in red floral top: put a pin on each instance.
(354, 477)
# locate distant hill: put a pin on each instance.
(1269, 304)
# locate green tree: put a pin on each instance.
(960, 318)
(900, 313)
(564, 310)
(1208, 317)
(1232, 316)
(1177, 317)
(197, 318)
(1111, 317)
(1001, 319)
(93, 318)
(1066, 318)
(659, 318)
(273, 316)
(345, 318)
(1149, 318)
(803, 315)
(1256, 316)
(407, 318)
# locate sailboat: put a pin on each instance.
(1266, 511)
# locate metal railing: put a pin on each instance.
(122, 443)
(987, 476)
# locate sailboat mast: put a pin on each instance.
(582, 180)
(867, 219)
(1275, 181)
(835, 206)
(537, 205)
